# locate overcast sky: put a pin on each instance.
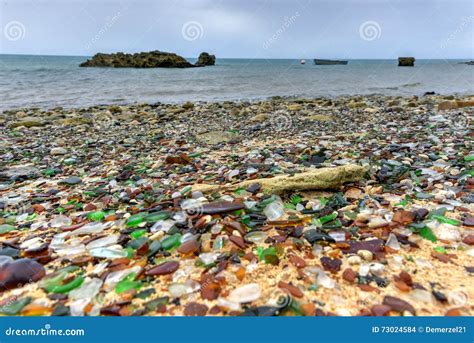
(241, 28)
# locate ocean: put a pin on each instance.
(50, 81)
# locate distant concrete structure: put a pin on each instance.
(406, 61)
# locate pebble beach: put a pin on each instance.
(341, 206)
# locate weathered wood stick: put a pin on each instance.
(314, 179)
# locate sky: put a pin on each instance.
(347, 29)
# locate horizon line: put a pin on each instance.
(257, 58)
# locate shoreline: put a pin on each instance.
(215, 209)
(251, 100)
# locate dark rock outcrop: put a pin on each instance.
(206, 60)
(406, 61)
(152, 59)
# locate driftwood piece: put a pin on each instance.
(314, 179)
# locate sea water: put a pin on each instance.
(49, 81)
